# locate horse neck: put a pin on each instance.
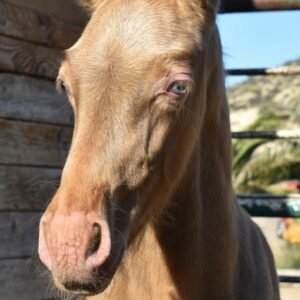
(197, 236)
(187, 254)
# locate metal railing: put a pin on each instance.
(286, 70)
(269, 135)
(233, 6)
(265, 205)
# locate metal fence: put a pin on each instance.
(232, 6)
(265, 205)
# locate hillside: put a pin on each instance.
(266, 95)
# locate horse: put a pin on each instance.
(145, 208)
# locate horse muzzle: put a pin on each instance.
(77, 249)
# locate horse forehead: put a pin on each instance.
(123, 46)
(133, 30)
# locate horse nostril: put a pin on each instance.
(95, 240)
(99, 245)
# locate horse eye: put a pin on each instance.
(62, 87)
(178, 88)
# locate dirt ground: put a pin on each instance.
(290, 291)
(268, 225)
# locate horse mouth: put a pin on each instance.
(98, 280)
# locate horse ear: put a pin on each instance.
(209, 10)
(212, 6)
(213, 3)
(89, 4)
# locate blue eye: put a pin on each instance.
(178, 88)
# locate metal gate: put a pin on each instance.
(265, 205)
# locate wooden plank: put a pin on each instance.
(33, 26)
(27, 188)
(18, 234)
(32, 99)
(33, 144)
(24, 57)
(24, 279)
(67, 10)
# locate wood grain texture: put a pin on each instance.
(27, 188)
(33, 144)
(37, 27)
(18, 234)
(24, 279)
(24, 57)
(67, 10)
(29, 32)
(32, 99)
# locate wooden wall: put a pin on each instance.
(35, 132)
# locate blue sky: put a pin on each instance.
(253, 40)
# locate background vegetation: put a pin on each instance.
(268, 166)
